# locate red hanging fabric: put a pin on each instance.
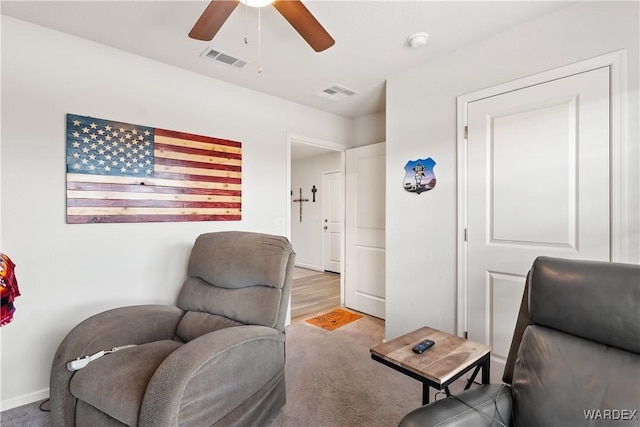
(9, 289)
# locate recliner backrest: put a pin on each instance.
(598, 301)
(580, 353)
(235, 278)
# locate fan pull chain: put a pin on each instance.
(259, 69)
(246, 20)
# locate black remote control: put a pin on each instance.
(422, 346)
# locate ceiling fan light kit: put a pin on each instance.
(256, 3)
(296, 13)
(418, 39)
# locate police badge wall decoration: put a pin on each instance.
(419, 175)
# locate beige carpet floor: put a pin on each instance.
(331, 381)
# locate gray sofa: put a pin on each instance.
(216, 358)
(574, 359)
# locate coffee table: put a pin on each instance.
(446, 361)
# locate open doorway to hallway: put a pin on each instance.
(316, 226)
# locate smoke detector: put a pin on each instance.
(418, 39)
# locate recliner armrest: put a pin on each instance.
(103, 331)
(218, 370)
(487, 405)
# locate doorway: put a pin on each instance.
(315, 211)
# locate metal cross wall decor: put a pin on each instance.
(300, 200)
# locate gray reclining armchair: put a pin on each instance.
(574, 359)
(217, 358)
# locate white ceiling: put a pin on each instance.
(371, 40)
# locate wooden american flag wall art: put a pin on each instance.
(120, 172)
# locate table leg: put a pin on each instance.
(485, 364)
(473, 376)
(486, 370)
(425, 393)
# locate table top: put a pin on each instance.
(446, 358)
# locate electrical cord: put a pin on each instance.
(41, 406)
(439, 393)
(499, 420)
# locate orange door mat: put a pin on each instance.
(334, 319)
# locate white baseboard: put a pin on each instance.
(309, 266)
(25, 399)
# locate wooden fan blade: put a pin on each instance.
(212, 19)
(304, 23)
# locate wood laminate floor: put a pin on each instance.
(313, 293)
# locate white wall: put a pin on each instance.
(306, 236)
(369, 129)
(421, 122)
(68, 272)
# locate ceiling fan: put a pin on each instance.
(217, 12)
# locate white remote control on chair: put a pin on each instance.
(81, 362)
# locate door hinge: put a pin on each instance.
(466, 132)
(466, 236)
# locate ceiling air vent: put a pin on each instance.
(224, 58)
(336, 93)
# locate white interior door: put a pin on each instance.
(365, 229)
(537, 184)
(332, 212)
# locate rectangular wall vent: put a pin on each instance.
(224, 58)
(336, 93)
